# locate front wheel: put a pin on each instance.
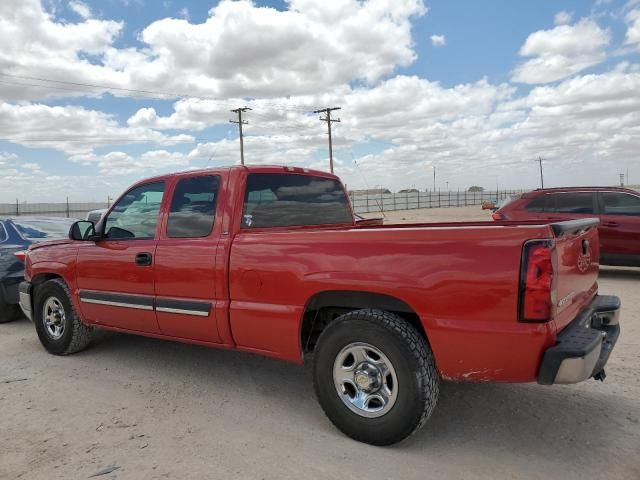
(59, 327)
(375, 376)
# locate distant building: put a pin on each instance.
(409, 190)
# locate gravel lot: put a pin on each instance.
(162, 410)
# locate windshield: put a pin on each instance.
(506, 201)
(43, 228)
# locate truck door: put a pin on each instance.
(185, 260)
(115, 274)
(620, 228)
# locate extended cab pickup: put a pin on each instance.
(270, 260)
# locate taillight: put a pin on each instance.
(536, 281)
(497, 216)
(21, 255)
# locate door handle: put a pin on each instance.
(611, 224)
(143, 258)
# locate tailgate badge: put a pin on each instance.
(584, 258)
(566, 299)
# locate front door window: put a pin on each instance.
(135, 216)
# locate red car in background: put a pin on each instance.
(617, 208)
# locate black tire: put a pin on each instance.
(8, 312)
(411, 359)
(76, 336)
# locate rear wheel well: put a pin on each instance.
(325, 307)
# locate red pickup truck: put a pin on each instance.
(270, 260)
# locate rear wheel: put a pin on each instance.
(375, 376)
(59, 327)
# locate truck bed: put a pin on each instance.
(461, 278)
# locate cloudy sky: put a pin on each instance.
(97, 94)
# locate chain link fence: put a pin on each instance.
(368, 203)
(362, 203)
(65, 209)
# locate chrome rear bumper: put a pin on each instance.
(584, 346)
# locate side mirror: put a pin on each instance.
(83, 230)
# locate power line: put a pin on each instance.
(327, 111)
(151, 93)
(105, 140)
(240, 122)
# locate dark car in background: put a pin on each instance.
(16, 234)
(617, 208)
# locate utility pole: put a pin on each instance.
(434, 177)
(621, 175)
(541, 177)
(240, 122)
(329, 120)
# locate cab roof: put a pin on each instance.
(247, 168)
(539, 191)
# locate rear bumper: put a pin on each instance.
(584, 346)
(26, 304)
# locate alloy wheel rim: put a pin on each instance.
(54, 318)
(365, 380)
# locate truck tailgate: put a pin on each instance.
(577, 255)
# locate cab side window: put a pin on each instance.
(193, 207)
(575, 202)
(538, 204)
(135, 216)
(616, 203)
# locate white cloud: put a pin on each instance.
(586, 127)
(34, 44)
(300, 59)
(438, 40)
(33, 167)
(468, 130)
(563, 17)
(72, 129)
(239, 50)
(184, 13)
(120, 163)
(6, 158)
(18, 184)
(80, 8)
(633, 32)
(561, 52)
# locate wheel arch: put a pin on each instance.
(42, 277)
(324, 307)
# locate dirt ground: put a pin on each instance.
(156, 409)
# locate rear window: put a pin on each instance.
(284, 200)
(621, 204)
